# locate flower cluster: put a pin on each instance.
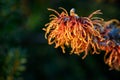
(85, 34)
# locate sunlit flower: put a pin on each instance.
(85, 34)
(73, 31)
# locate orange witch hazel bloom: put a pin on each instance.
(70, 30)
(85, 34)
(111, 43)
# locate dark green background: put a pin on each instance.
(21, 23)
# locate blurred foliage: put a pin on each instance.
(12, 64)
(25, 54)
